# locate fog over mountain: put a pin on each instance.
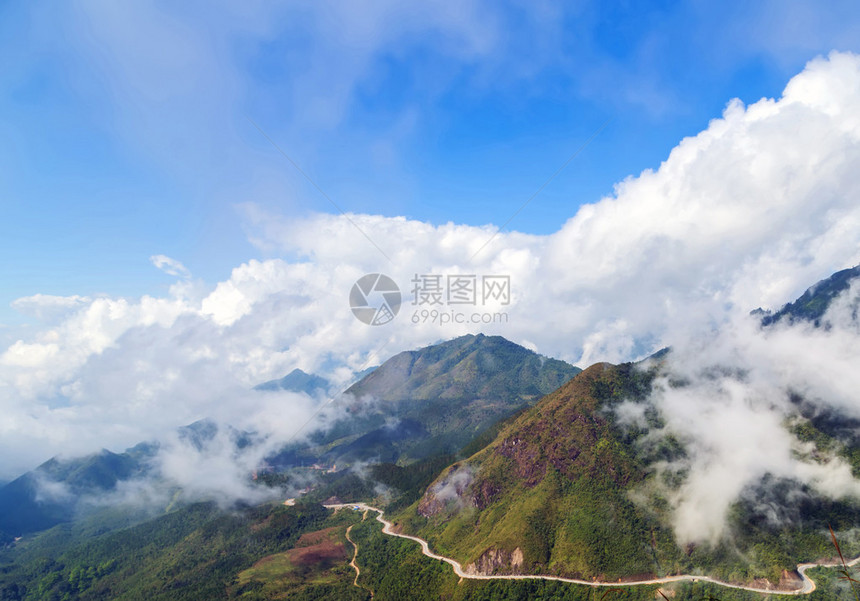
(745, 214)
(729, 454)
(743, 387)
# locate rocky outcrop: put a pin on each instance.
(790, 580)
(429, 506)
(497, 561)
(484, 493)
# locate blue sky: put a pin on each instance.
(126, 130)
(160, 257)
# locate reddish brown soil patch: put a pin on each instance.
(326, 552)
(261, 562)
(315, 538)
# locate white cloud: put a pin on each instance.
(747, 213)
(47, 307)
(170, 266)
(732, 413)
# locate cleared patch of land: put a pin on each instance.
(319, 558)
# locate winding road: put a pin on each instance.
(355, 565)
(388, 528)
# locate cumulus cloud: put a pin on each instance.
(745, 214)
(47, 307)
(170, 266)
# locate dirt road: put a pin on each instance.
(388, 528)
(355, 565)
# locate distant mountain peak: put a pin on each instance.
(437, 398)
(297, 381)
(469, 366)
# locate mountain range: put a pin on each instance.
(432, 401)
(507, 461)
(49, 494)
(565, 489)
(425, 402)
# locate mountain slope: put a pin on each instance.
(465, 367)
(195, 553)
(52, 493)
(565, 489)
(547, 495)
(447, 394)
(48, 495)
(436, 399)
(568, 489)
(813, 303)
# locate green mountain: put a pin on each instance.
(300, 553)
(436, 399)
(482, 378)
(549, 494)
(468, 367)
(196, 552)
(49, 494)
(812, 305)
(549, 483)
(565, 490)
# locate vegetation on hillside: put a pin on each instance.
(194, 553)
(813, 303)
(552, 495)
(435, 400)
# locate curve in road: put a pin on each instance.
(388, 528)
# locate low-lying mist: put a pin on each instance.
(732, 397)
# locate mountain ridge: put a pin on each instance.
(537, 498)
(442, 395)
(814, 302)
